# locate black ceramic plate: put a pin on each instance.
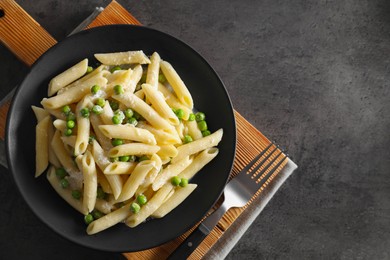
(209, 96)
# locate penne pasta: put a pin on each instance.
(83, 127)
(153, 70)
(128, 132)
(167, 151)
(120, 168)
(193, 130)
(177, 84)
(173, 102)
(65, 194)
(103, 140)
(40, 113)
(120, 58)
(151, 176)
(86, 77)
(73, 94)
(146, 111)
(102, 161)
(88, 169)
(175, 200)
(103, 182)
(171, 170)
(133, 149)
(109, 220)
(198, 145)
(134, 79)
(153, 204)
(60, 125)
(67, 77)
(135, 180)
(199, 162)
(63, 155)
(162, 137)
(158, 102)
(42, 146)
(106, 116)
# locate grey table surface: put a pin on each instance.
(313, 75)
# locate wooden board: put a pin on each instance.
(249, 140)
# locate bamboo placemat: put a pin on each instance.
(31, 40)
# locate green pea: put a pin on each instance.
(95, 89)
(129, 113)
(116, 120)
(143, 158)
(84, 112)
(97, 109)
(70, 124)
(200, 116)
(114, 105)
(179, 113)
(175, 180)
(202, 125)
(100, 194)
(135, 207)
(64, 183)
(68, 132)
(141, 199)
(118, 89)
(76, 194)
(97, 214)
(206, 133)
(120, 114)
(132, 158)
(61, 173)
(71, 116)
(116, 141)
(161, 78)
(115, 68)
(100, 102)
(89, 69)
(187, 139)
(88, 219)
(191, 117)
(132, 121)
(183, 182)
(124, 158)
(66, 110)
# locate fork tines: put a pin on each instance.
(261, 168)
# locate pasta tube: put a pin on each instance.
(153, 70)
(128, 132)
(177, 84)
(67, 77)
(133, 149)
(119, 58)
(198, 145)
(136, 178)
(42, 146)
(175, 200)
(66, 194)
(171, 170)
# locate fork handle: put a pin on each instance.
(189, 245)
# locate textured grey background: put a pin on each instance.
(313, 75)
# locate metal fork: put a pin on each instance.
(237, 193)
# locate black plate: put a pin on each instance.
(209, 95)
